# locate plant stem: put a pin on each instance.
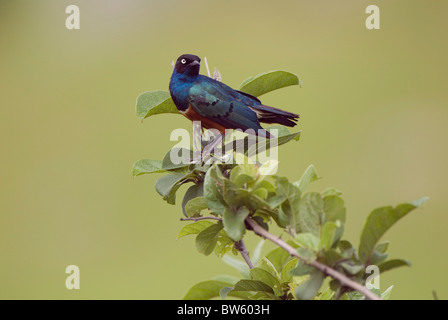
(206, 65)
(260, 231)
(239, 245)
(200, 218)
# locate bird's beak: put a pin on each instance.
(195, 63)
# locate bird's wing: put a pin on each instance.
(223, 105)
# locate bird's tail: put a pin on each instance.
(268, 114)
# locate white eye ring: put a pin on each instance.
(183, 61)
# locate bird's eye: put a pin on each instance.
(183, 61)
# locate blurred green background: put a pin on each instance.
(373, 112)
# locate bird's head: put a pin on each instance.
(188, 64)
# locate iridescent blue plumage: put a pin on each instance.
(217, 105)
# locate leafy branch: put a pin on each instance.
(343, 280)
(224, 201)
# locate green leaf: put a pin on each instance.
(254, 203)
(144, 166)
(278, 257)
(353, 295)
(307, 178)
(311, 213)
(262, 217)
(226, 278)
(309, 289)
(213, 195)
(306, 254)
(182, 155)
(239, 176)
(284, 136)
(276, 200)
(224, 245)
(238, 265)
(327, 294)
(252, 285)
(346, 248)
(332, 257)
(386, 294)
(193, 192)
(195, 206)
(265, 277)
(267, 265)
(207, 238)
(280, 129)
(285, 275)
(419, 202)
(234, 173)
(233, 195)
(378, 222)
(238, 197)
(334, 208)
(262, 193)
(392, 264)
(331, 192)
(352, 268)
(266, 144)
(234, 222)
(242, 179)
(210, 289)
(167, 185)
(382, 247)
(268, 168)
(379, 253)
(194, 228)
(248, 169)
(375, 291)
(327, 235)
(308, 240)
(224, 291)
(302, 269)
(154, 102)
(257, 252)
(290, 205)
(250, 149)
(264, 296)
(269, 81)
(377, 257)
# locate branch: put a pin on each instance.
(239, 245)
(258, 230)
(200, 218)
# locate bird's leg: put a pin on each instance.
(218, 153)
(197, 142)
(211, 150)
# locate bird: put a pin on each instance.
(217, 105)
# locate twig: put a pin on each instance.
(257, 229)
(206, 65)
(239, 245)
(200, 218)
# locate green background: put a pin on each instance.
(373, 112)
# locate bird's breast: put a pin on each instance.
(180, 85)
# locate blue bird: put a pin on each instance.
(218, 106)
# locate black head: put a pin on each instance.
(188, 64)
